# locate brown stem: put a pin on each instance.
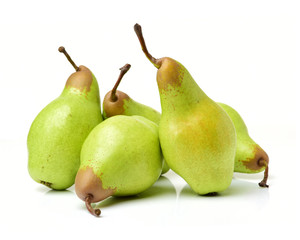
(124, 70)
(138, 31)
(63, 50)
(263, 183)
(95, 212)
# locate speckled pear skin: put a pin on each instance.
(197, 137)
(58, 132)
(124, 154)
(248, 152)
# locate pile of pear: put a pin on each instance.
(123, 150)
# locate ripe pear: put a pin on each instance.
(249, 157)
(120, 157)
(59, 130)
(119, 103)
(197, 136)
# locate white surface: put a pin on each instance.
(243, 53)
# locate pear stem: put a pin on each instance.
(95, 212)
(124, 70)
(263, 183)
(139, 33)
(63, 50)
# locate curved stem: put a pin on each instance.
(124, 70)
(63, 50)
(139, 33)
(95, 212)
(263, 183)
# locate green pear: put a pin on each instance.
(120, 157)
(197, 137)
(249, 157)
(59, 130)
(119, 103)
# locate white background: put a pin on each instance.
(243, 53)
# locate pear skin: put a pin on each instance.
(250, 157)
(197, 136)
(117, 161)
(59, 130)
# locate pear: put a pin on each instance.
(59, 130)
(119, 103)
(120, 157)
(249, 157)
(197, 137)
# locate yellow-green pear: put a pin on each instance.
(59, 130)
(197, 136)
(120, 157)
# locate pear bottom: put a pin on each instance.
(250, 158)
(87, 183)
(200, 147)
(56, 182)
(120, 157)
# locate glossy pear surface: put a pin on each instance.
(248, 152)
(120, 157)
(197, 137)
(59, 130)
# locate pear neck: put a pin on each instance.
(178, 92)
(84, 84)
(182, 100)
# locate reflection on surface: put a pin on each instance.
(237, 188)
(59, 202)
(253, 177)
(242, 202)
(241, 198)
(162, 188)
(42, 188)
(60, 192)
